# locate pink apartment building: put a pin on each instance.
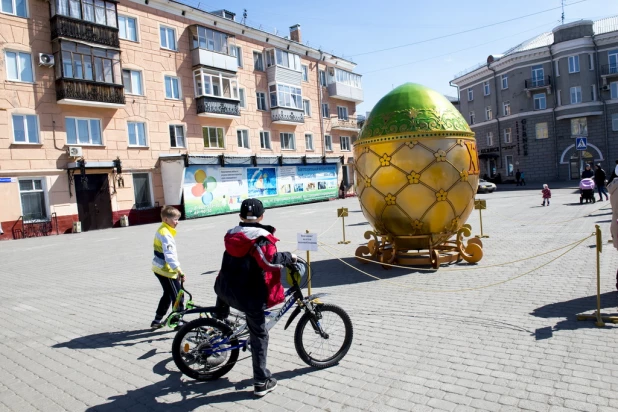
(104, 107)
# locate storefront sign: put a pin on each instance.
(524, 136)
(8, 179)
(517, 136)
(213, 190)
(508, 147)
(490, 150)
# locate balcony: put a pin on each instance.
(214, 107)
(62, 26)
(280, 74)
(287, 116)
(351, 124)
(209, 58)
(344, 91)
(609, 71)
(88, 93)
(537, 84)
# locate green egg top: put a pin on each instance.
(413, 111)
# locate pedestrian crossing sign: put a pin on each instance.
(581, 143)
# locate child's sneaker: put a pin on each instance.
(261, 389)
(156, 325)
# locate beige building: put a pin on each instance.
(104, 105)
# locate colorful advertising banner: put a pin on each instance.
(213, 190)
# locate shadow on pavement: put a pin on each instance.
(570, 309)
(193, 394)
(111, 339)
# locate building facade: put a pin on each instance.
(547, 106)
(104, 106)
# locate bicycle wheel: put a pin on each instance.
(193, 354)
(323, 352)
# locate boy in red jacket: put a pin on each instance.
(250, 281)
(546, 192)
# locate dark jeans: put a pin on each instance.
(171, 287)
(602, 189)
(258, 336)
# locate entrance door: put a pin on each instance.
(94, 203)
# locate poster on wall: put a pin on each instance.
(213, 190)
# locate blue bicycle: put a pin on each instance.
(208, 348)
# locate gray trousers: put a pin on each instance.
(258, 337)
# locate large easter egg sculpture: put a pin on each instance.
(417, 173)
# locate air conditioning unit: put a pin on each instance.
(46, 60)
(605, 88)
(75, 151)
(331, 71)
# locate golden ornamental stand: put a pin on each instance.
(598, 317)
(480, 205)
(343, 213)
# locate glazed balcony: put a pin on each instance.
(344, 91)
(89, 93)
(351, 124)
(215, 107)
(287, 116)
(537, 84)
(63, 26)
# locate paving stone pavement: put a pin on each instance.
(76, 309)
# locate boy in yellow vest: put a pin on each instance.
(165, 264)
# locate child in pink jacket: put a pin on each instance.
(546, 194)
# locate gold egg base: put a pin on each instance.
(384, 249)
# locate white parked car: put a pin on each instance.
(485, 186)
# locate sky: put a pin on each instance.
(359, 30)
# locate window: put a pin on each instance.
(243, 101)
(557, 67)
(287, 141)
(265, 140)
(506, 108)
(213, 137)
(177, 136)
(95, 11)
(83, 131)
(540, 103)
(168, 38)
(613, 87)
(128, 28)
(590, 61)
(19, 66)
(209, 39)
(305, 70)
(261, 101)
(507, 135)
(490, 139)
(486, 89)
(593, 93)
(576, 94)
(328, 143)
(217, 85)
(237, 52)
(322, 78)
(505, 81)
(141, 188)
(79, 61)
(25, 128)
(488, 113)
(258, 61)
(573, 64)
(282, 95)
(350, 79)
(243, 138)
(172, 88)
(32, 195)
(308, 141)
(471, 117)
(137, 134)
(342, 112)
(325, 111)
(307, 107)
(509, 165)
(579, 126)
(559, 97)
(282, 58)
(612, 57)
(538, 75)
(542, 132)
(14, 7)
(615, 122)
(470, 94)
(132, 81)
(345, 143)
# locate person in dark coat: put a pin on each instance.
(518, 177)
(587, 173)
(599, 181)
(250, 281)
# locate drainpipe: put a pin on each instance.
(553, 112)
(499, 137)
(317, 66)
(598, 76)
(450, 83)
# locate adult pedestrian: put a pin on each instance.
(523, 179)
(587, 173)
(599, 181)
(614, 173)
(518, 178)
(613, 191)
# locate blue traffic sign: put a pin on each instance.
(581, 143)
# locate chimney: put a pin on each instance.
(295, 33)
